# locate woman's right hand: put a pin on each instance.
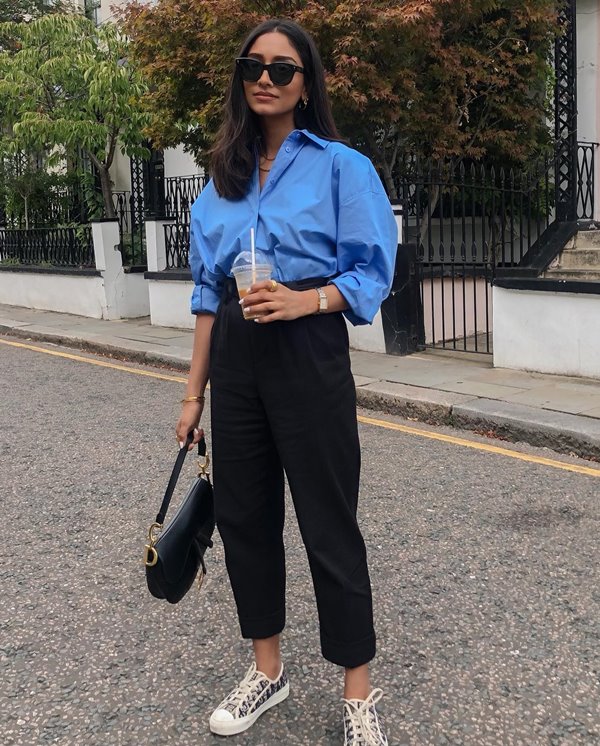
(191, 412)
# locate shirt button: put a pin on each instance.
(288, 149)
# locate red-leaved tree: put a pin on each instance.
(442, 78)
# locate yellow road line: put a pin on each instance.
(408, 430)
(480, 446)
(101, 363)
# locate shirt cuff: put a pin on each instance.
(205, 300)
(362, 296)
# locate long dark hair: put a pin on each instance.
(233, 156)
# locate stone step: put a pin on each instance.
(587, 240)
(580, 258)
(577, 275)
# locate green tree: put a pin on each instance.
(22, 183)
(35, 196)
(440, 78)
(24, 11)
(70, 89)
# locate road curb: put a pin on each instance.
(564, 433)
(101, 348)
(430, 411)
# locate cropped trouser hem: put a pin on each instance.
(349, 655)
(262, 627)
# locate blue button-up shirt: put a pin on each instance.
(323, 212)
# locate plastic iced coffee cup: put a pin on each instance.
(246, 274)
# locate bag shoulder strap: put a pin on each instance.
(160, 516)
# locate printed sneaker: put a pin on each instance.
(362, 727)
(254, 695)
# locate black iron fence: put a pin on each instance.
(54, 247)
(586, 163)
(48, 228)
(130, 207)
(48, 242)
(131, 230)
(467, 221)
(133, 243)
(122, 204)
(177, 240)
(180, 193)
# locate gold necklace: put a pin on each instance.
(264, 170)
(264, 155)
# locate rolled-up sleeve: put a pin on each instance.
(366, 251)
(207, 286)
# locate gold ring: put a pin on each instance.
(273, 287)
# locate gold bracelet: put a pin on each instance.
(193, 398)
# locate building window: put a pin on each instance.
(90, 10)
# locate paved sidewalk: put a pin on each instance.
(462, 390)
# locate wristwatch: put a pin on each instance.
(322, 300)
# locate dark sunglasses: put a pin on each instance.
(281, 73)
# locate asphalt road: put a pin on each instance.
(484, 568)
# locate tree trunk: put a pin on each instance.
(378, 156)
(434, 197)
(388, 181)
(109, 208)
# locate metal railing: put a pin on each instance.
(586, 156)
(55, 247)
(467, 221)
(133, 237)
(122, 204)
(473, 213)
(177, 240)
(180, 193)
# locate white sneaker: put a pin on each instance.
(254, 695)
(362, 726)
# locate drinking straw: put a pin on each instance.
(253, 252)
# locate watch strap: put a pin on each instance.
(322, 300)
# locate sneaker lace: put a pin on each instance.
(242, 693)
(364, 721)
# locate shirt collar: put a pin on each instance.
(315, 138)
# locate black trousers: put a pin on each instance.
(283, 398)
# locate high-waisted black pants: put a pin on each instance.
(283, 398)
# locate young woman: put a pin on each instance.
(282, 394)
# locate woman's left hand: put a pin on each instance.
(276, 302)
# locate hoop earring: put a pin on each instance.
(303, 104)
